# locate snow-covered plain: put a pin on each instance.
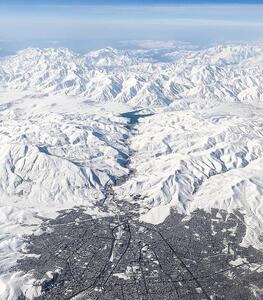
(62, 137)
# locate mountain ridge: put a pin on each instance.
(220, 73)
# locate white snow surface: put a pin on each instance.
(62, 138)
(139, 77)
(206, 158)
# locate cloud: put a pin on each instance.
(80, 25)
(156, 44)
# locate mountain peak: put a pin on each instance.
(217, 73)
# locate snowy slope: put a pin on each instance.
(139, 77)
(55, 153)
(64, 155)
(62, 138)
(206, 158)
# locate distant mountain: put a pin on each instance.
(139, 77)
(64, 142)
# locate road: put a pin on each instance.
(120, 257)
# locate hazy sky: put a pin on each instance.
(84, 25)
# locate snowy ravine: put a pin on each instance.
(64, 139)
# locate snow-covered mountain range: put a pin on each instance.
(63, 139)
(139, 77)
